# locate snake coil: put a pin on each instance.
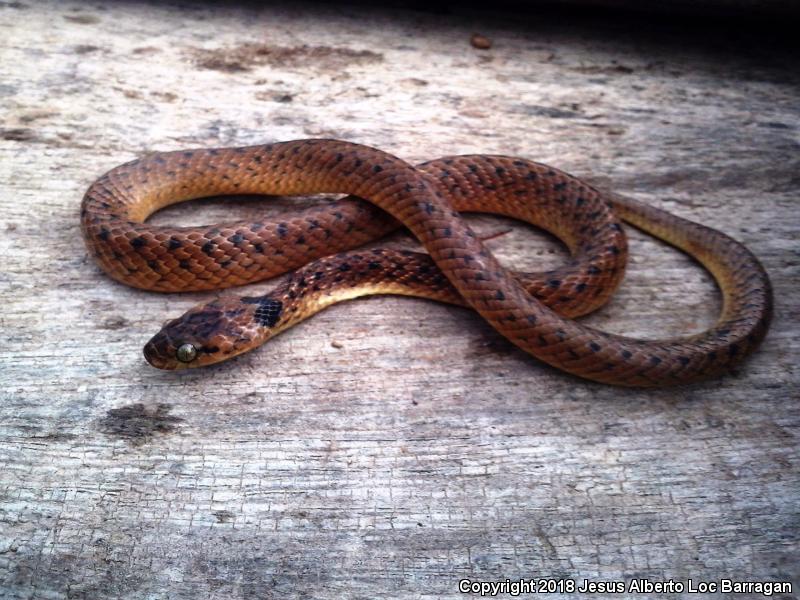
(534, 311)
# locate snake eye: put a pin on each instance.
(186, 353)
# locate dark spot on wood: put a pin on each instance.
(137, 423)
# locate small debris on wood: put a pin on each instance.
(481, 42)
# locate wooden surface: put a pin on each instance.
(388, 447)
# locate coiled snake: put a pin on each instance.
(533, 311)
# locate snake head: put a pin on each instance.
(206, 334)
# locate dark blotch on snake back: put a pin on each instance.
(268, 311)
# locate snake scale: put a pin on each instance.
(534, 311)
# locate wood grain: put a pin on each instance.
(388, 447)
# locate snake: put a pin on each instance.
(320, 246)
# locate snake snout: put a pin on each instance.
(159, 353)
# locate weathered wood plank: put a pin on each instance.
(387, 447)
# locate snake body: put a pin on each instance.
(534, 311)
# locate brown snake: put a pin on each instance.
(533, 311)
